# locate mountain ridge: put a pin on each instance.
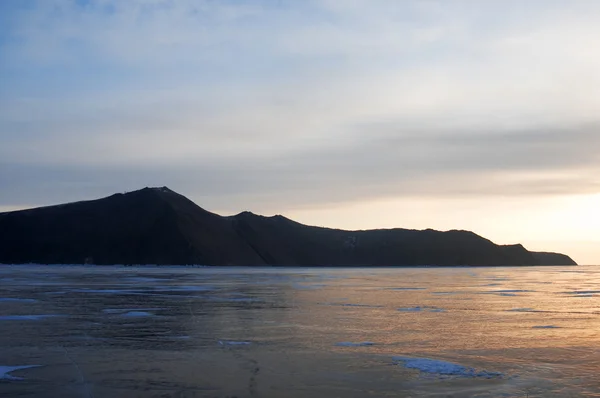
(160, 226)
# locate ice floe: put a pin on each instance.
(435, 366)
(6, 370)
(351, 344)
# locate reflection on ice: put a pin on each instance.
(163, 330)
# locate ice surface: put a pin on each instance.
(407, 288)
(435, 366)
(25, 317)
(521, 310)
(16, 300)
(545, 327)
(350, 344)
(5, 370)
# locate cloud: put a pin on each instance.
(284, 103)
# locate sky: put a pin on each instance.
(356, 114)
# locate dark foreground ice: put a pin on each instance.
(69, 331)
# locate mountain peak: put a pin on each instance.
(156, 225)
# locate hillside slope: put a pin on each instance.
(159, 226)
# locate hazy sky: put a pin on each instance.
(480, 115)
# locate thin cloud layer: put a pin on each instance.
(284, 104)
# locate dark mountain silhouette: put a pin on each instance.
(547, 258)
(159, 226)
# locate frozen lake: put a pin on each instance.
(299, 332)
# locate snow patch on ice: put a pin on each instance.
(104, 291)
(233, 299)
(16, 300)
(143, 279)
(356, 305)
(585, 292)
(308, 287)
(123, 311)
(25, 317)
(351, 344)
(137, 314)
(419, 309)
(513, 291)
(435, 366)
(5, 370)
(185, 288)
(232, 342)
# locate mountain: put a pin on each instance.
(159, 226)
